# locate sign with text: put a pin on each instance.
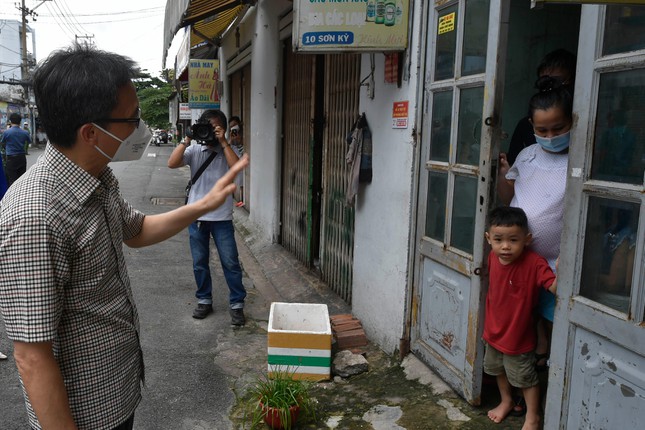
(537, 2)
(350, 25)
(184, 111)
(203, 88)
(400, 114)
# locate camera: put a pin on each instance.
(202, 132)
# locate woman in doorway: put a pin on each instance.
(537, 180)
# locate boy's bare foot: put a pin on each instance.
(531, 422)
(498, 414)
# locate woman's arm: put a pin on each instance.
(505, 188)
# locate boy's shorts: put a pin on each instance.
(519, 369)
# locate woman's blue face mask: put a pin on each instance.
(554, 144)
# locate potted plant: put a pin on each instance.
(281, 400)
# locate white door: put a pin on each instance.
(461, 112)
(597, 373)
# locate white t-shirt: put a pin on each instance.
(540, 182)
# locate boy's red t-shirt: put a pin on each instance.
(509, 325)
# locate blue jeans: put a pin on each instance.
(223, 234)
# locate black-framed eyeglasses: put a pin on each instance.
(136, 120)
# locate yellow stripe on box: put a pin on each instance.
(299, 340)
(304, 372)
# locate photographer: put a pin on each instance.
(235, 131)
(213, 149)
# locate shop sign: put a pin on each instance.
(400, 114)
(184, 111)
(203, 84)
(537, 2)
(350, 25)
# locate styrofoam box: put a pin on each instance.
(299, 340)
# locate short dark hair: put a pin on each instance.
(15, 118)
(558, 59)
(507, 216)
(76, 86)
(236, 119)
(214, 113)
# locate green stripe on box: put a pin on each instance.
(291, 360)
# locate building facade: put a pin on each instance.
(409, 254)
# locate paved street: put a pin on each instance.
(185, 388)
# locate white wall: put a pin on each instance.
(383, 230)
(266, 72)
(384, 207)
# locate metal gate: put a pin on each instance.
(240, 84)
(297, 154)
(342, 85)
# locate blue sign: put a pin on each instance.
(328, 38)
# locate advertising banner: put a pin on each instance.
(203, 84)
(350, 25)
(400, 112)
(184, 111)
(537, 2)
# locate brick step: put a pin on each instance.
(347, 331)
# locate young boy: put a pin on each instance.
(515, 276)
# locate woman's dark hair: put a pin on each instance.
(76, 86)
(551, 93)
(558, 59)
(507, 216)
(236, 119)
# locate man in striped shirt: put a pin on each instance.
(65, 294)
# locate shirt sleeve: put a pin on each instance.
(188, 154)
(132, 219)
(34, 268)
(544, 274)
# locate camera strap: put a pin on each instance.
(203, 167)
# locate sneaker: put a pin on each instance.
(237, 317)
(202, 310)
(2, 356)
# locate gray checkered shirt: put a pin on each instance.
(63, 279)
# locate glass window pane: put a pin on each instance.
(441, 124)
(619, 149)
(624, 29)
(463, 213)
(436, 205)
(446, 44)
(470, 125)
(475, 37)
(608, 259)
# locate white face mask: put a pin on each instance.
(132, 147)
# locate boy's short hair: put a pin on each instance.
(508, 216)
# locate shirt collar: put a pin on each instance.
(77, 181)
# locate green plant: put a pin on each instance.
(280, 400)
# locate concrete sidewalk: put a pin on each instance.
(392, 395)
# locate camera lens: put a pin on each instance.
(234, 132)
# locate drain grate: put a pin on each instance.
(168, 201)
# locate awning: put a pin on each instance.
(209, 18)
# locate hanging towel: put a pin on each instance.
(358, 157)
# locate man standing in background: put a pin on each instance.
(15, 141)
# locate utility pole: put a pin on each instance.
(24, 63)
